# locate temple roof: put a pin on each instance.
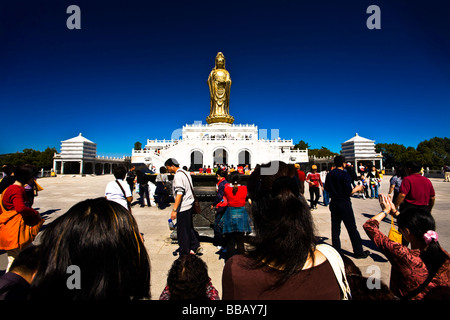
(78, 138)
(358, 138)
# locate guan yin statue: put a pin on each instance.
(221, 140)
(219, 83)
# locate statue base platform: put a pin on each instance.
(220, 119)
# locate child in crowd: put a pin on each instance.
(362, 182)
(188, 280)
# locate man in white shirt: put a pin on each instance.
(118, 190)
(182, 209)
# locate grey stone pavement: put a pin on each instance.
(61, 192)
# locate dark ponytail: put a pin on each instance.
(234, 178)
(419, 221)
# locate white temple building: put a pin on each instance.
(220, 143)
(359, 149)
(79, 156)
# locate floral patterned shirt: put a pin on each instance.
(211, 292)
(408, 270)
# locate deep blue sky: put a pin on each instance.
(138, 70)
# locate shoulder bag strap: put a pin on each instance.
(2, 206)
(1, 201)
(125, 195)
(192, 188)
(418, 290)
(337, 264)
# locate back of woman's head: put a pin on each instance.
(400, 171)
(414, 166)
(420, 222)
(222, 173)
(188, 278)
(234, 179)
(8, 169)
(25, 172)
(102, 239)
(284, 230)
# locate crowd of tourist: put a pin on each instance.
(283, 259)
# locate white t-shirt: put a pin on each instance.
(182, 185)
(114, 193)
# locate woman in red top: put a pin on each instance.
(235, 220)
(314, 181)
(416, 272)
(14, 209)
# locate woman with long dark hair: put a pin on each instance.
(283, 261)
(101, 240)
(418, 270)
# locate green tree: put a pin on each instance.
(301, 145)
(137, 145)
(319, 153)
(393, 153)
(45, 159)
(322, 152)
(30, 156)
(434, 153)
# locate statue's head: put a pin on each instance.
(220, 61)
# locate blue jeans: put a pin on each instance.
(374, 191)
(326, 197)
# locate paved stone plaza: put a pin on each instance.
(62, 192)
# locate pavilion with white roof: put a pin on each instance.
(79, 156)
(359, 149)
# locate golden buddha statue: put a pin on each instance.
(219, 83)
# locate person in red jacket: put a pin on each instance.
(314, 181)
(14, 211)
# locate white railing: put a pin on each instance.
(427, 172)
(166, 143)
(204, 125)
(112, 158)
(294, 151)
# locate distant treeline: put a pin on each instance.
(433, 153)
(40, 159)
